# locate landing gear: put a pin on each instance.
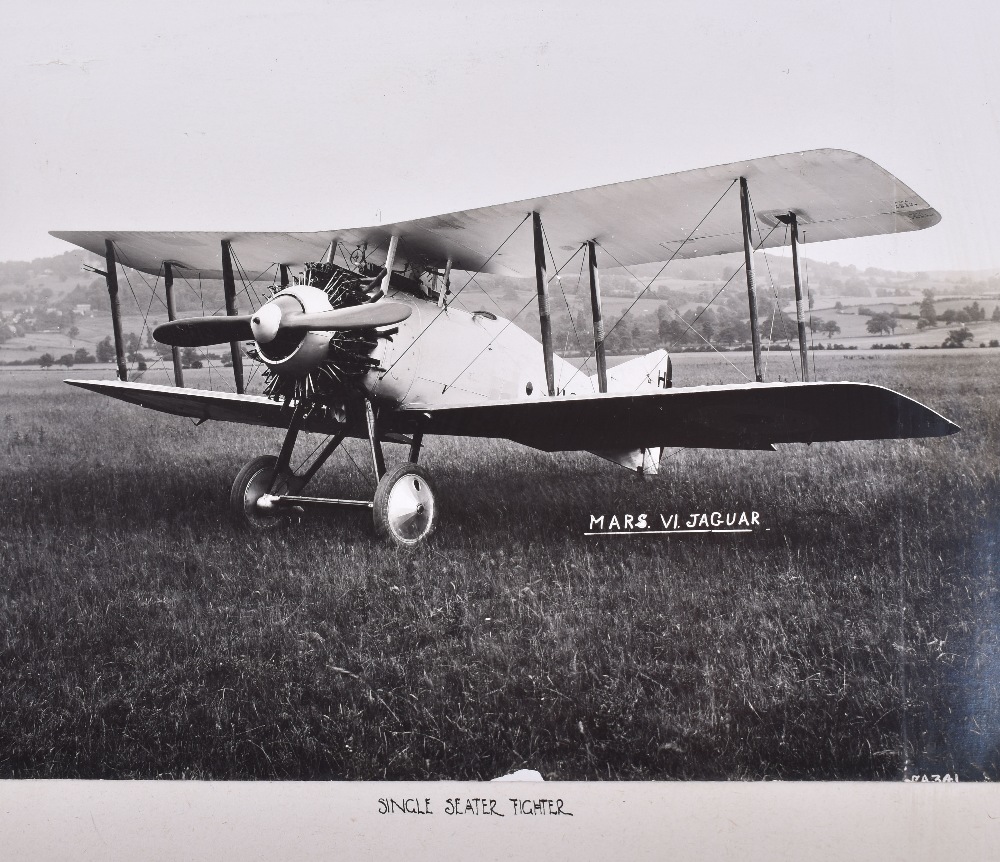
(404, 508)
(405, 505)
(254, 481)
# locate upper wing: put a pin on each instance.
(745, 416)
(835, 194)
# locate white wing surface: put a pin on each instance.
(835, 194)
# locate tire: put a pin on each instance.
(406, 508)
(252, 482)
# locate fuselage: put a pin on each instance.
(444, 356)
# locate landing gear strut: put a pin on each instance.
(404, 506)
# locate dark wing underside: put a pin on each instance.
(751, 416)
(835, 194)
(203, 404)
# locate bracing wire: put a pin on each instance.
(770, 278)
(509, 322)
(569, 311)
(672, 311)
(455, 295)
(658, 273)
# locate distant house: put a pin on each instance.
(82, 308)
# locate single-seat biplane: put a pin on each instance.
(360, 336)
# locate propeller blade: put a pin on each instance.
(204, 331)
(383, 313)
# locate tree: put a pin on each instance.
(46, 360)
(975, 312)
(927, 311)
(105, 350)
(958, 337)
(81, 356)
(831, 328)
(66, 359)
(816, 324)
(672, 331)
(730, 334)
(74, 331)
(879, 323)
(996, 314)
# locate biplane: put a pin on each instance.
(360, 334)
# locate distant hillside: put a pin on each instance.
(51, 305)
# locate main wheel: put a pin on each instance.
(252, 482)
(405, 507)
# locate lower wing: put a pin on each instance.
(203, 404)
(747, 416)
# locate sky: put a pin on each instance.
(307, 115)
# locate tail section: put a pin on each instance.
(652, 371)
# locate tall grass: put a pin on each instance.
(856, 637)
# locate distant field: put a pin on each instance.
(857, 637)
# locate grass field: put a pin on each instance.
(856, 637)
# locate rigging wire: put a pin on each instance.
(365, 474)
(509, 322)
(718, 293)
(669, 260)
(777, 310)
(661, 269)
(454, 296)
(138, 307)
(247, 287)
(674, 312)
(569, 311)
(126, 261)
(244, 275)
(812, 331)
(579, 278)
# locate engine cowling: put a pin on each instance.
(291, 352)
